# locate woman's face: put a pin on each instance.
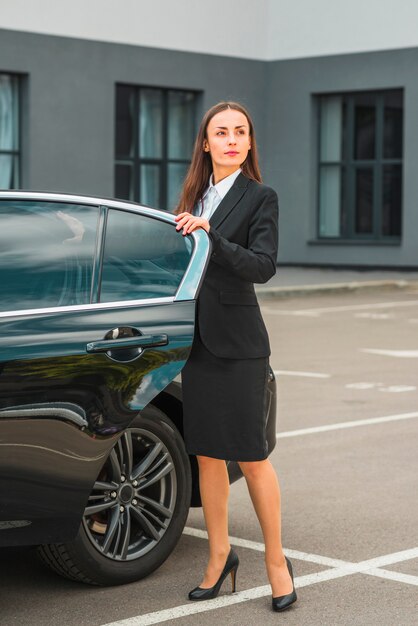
(228, 139)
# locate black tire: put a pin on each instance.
(155, 510)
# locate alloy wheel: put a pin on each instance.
(133, 500)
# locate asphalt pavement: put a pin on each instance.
(346, 364)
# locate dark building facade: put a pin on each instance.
(337, 135)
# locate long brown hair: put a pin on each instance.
(200, 168)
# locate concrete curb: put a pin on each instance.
(327, 288)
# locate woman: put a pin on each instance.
(225, 377)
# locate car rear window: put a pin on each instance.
(46, 254)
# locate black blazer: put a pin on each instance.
(244, 236)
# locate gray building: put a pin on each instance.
(108, 113)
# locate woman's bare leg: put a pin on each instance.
(264, 489)
(214, 491)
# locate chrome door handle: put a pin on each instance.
(141, 341)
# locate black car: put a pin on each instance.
(96, 322)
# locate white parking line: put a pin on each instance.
(259, 547)
(397, 388)
(396, 576)
(374, 316)
(401, 354)
(297, 373)
(192, 608)
(374, 563)
(334, 309)
(381, 387)
(341, 569)
(365, 422)
(387, 559)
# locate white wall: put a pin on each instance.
(302, 28)
(257, 29)
(226, 27)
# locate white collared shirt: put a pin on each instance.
(214, 194)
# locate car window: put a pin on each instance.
(144, 257)
(46, 254)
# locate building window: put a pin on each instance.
(9, 132)
(360, 165)
(155, 131)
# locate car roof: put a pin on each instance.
(51, 196)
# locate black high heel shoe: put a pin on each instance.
(280, 603)
(231, 566)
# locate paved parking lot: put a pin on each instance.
(346, 456)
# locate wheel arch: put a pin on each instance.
(172, 406)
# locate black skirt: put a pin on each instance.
(224, 405)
